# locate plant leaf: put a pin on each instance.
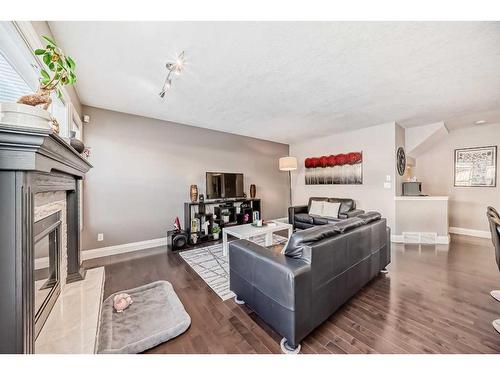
(39, 51)
(59, 93)
(70, 62)
(46, 58)
(49, 40)
(44, 74)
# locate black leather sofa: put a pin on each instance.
(299, 216)
(318, 271)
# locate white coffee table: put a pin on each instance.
(247, 231)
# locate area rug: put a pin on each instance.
(213, 267)
(155, 316)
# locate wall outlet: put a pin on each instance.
(387, 185)
(100, 236)
(388, 178)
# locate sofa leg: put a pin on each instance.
(238, 301)
(288, 349)
(495, 294)
(496, 325)
(384, 271)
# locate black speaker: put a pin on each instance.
(177, 240)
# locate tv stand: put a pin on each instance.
(240, 212)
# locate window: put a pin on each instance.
(12, 86)
(76, 124)
(19, 71)
(59, 110)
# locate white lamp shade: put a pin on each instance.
(288, 163)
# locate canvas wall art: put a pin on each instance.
(344, 169)
(476, 166)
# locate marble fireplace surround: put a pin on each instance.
(36, 167)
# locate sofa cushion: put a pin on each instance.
(304, 218)
(316, 208)
(348, 224)
(331, 209)
(370, 216)
(346, 204)
(319, 220)
(296, 243)
(324, 220)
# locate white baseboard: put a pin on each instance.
(440, 240)
(470, 232)
(123, 248)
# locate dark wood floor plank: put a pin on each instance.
(432, 301)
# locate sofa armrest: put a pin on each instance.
(354, 213)
(292, 211)
(283, 279)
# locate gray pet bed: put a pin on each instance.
(155, 316)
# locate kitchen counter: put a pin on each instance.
(421, 219)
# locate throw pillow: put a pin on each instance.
(316, 208)
(331, 210)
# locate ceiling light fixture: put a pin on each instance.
(173, 68)
(479, 122)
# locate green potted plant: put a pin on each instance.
(58, 71)
(225, 216)
(216, 232)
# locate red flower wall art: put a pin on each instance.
(344, 169)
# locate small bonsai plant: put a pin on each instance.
(59, 71)
(216, 232)
(225, 216)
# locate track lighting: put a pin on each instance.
(173, 68)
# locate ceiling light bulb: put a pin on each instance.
(168, 84)
(480, 122)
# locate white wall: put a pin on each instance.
(435, 169)
(377, 144)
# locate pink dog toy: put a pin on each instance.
(121, 302)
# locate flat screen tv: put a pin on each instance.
(224, 185)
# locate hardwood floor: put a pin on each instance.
(434, 299)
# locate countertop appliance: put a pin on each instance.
(412, 188)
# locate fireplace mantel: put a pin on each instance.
(32, 161)
(42, 150)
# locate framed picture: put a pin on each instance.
(340, 169)
(476, 166)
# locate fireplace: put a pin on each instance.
(46, 272)
(39, 247)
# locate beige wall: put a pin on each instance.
(435, 168)
(143, 169)
(377, 144)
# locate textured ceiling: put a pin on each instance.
(285, 81)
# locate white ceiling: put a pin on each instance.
(285, 81)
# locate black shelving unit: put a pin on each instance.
(211, 212)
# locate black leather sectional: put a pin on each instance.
(299, 217)
(319, 270)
